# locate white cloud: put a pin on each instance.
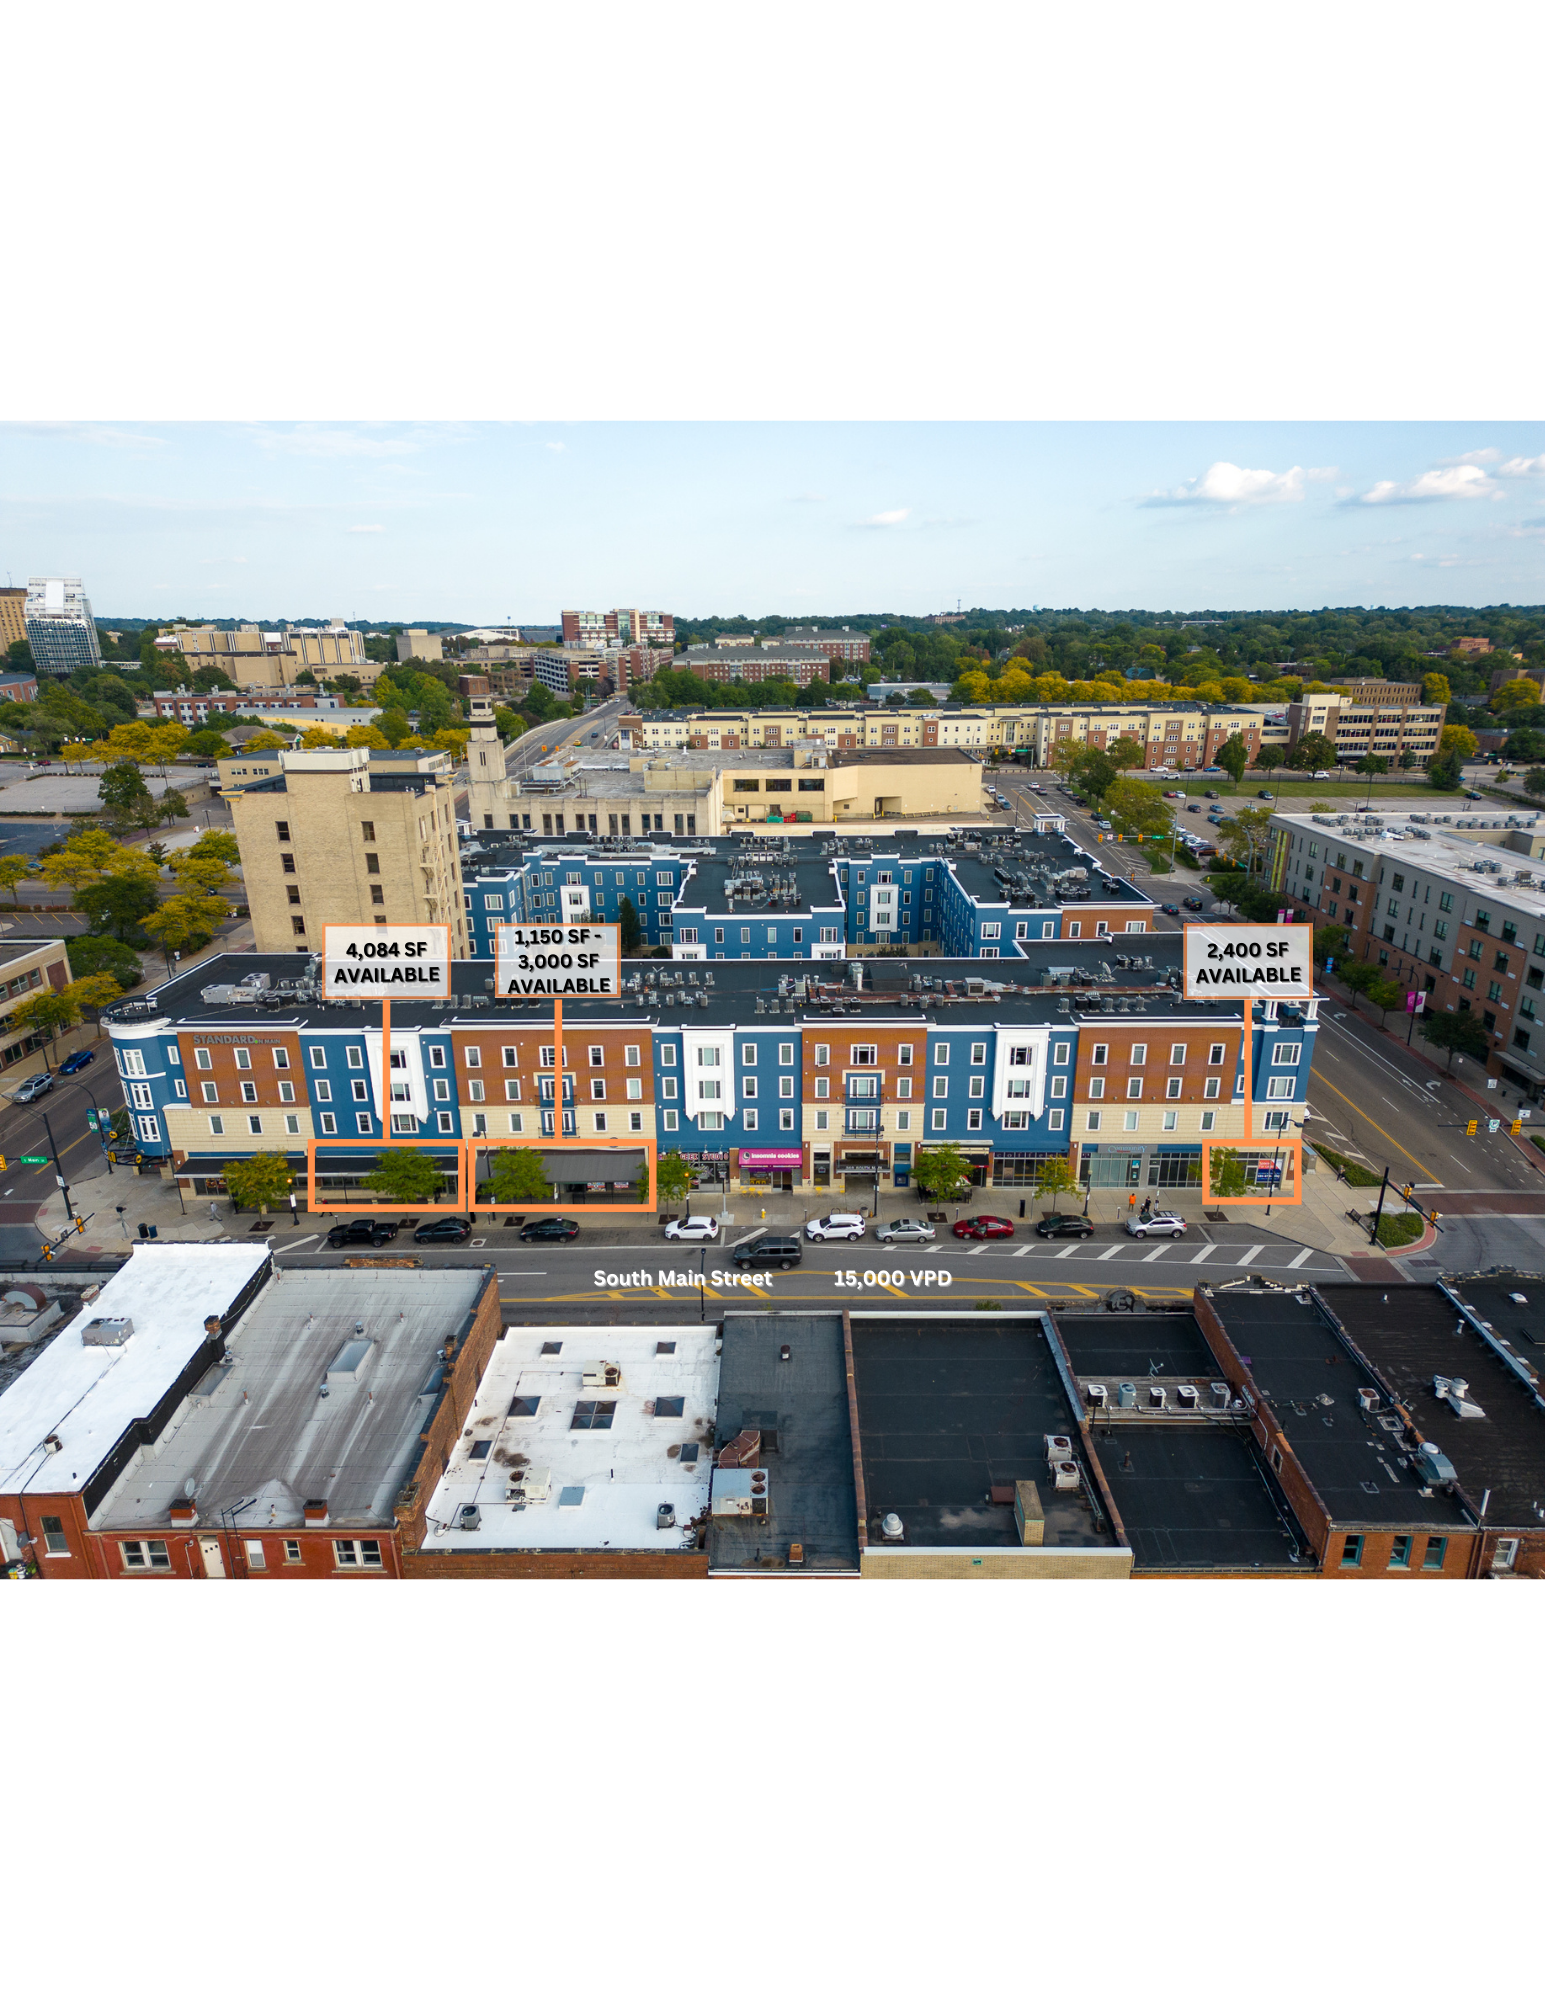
(1522, 468)
(804, 499)
(1322, 472)
(1487, 455)
(1227, 485)
(99, 434)
(338, 441)
(556, 447)
(366, 528)
(1453, 482)
(1438, 562)
(893, 518)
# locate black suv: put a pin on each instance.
(767, 1253)
(370, 1229)
(1064, 1225)
(443, 1229)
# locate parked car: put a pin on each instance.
(984, 1226)
(1193, 808)
(1212, 795)
(1064, 1225)
(1472, 795)
(443, 1229)
(905, 1231)
(1174, 795)
(1170, 909)
(1264, 794)
(767, 1253)
(693, 1229)
(835, 1228)
(1161, 1222)
(34, 1088)
(550, 1229)
(1194, 903)
(77, 1061)
(372, 1229)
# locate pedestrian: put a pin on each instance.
(1131, 1201)
(214, 1213)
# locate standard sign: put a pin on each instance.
(1273, 960)
(558, 961)
(386, 961)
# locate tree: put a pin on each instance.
(1270, 757)
(116, 906)
(89, 956)
(393, 724)
(260, 1181)
(1234, 756)
(672, 1177)
(122, 791)
(171, 805)
(1245, 836)
(1443, 773)
(517, 1174)
(509, 724)
(216, 845)
(266, 741)
(97, 991)
(1126, 753)
(206, 743)
(632, 929)
(1534, 782)
(1526, 746)
(1522, 693)
(166, 742)
(132, 740)
(1226, 1174)
(1458, 743)
(186, 922)
(1137, 809)
(1313, 752)
(1093, 772)
(14, 870)
(1056, 1179)
(406, 1174)
(1435, 690)
(1461, 1033)
(941, 1171)
(1384, 993)
(1371, 766)
(46, 1013)
(364, 736)
(1330, 942)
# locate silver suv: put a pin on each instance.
(1162, 1222)
(835, 1229)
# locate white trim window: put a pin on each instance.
(1281, 1086)
(357, 1555)
(142, 1557)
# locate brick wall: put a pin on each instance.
(1018, 1565)
(447, 1565)
(461, 1384)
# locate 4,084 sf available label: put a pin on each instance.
(386, 961)
(557, 961)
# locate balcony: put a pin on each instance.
(862, 1121)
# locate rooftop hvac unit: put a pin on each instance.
(1126, 1396)
(1057, 1447)
(1367, 1399)
(1097, 1394)
(469, 1519)
(1187, 1397)
(1158, 1399)
(605, 1375)
(1220, 1395)
(106, 1332)
(1065, 1475)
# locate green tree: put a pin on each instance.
(1314, 752)
(1245, 837)
(941, 1170)
(1443, 774)
(632, 929)
(509, 724)
(122, 791)
(1234, 756)
(1371, 766)
(406, 1174)
(1458, 743)
(1138, 809)
(171, 805)
(261, 1181)
(1435, 690)
(1330, 941)
(90, 956)
(672, 1177)
(14, 870)
(1270, 757)
(46, 1013)
(116, 906)
(1093, 772)
(206, 743)
(217, 845)
(1126, 753)
(1534, 782)
(393, 724)
(96, 991)
(1384, 993)
(1056, 1179)
(517, 1174)
(186, 922)
(1458, 1033)
(1226, 1174)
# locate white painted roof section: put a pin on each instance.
(625, 1473)
(86, 1396)
(1488, 872)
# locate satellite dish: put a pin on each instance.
(189, 1486)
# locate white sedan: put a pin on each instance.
(835, 1229)
(904, 1232)
(693, 1229)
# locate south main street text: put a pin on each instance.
(695, 1280)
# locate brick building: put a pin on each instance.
(836, 643)
(27, 968)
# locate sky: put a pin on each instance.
(487, 522)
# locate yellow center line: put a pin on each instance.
(1430, 1173)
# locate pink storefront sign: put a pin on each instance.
(770, 1156)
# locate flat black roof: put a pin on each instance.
(1196, 1497)
(1301, 1365)
(1418, 1335)
(949, 1407)
(1131, 1346)
(805, 1400)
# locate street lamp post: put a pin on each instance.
(69, 1213)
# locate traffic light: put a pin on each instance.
(1515, 1128)
(4, 1166)
(1470, 1129)
(48, 1253)
(1406, 1193)
(80, 1225)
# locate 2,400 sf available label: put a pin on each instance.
(557, 961)
(386, 961)
(1273, 960)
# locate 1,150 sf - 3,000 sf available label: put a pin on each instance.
(386, 961)
(1275, 961)
(557, 961)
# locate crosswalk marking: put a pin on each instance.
(1302, 1258)
(1070, 1250)
(1202, 1255)
(1114, 1251)
(1250, 1255)
(1152, 1254)
(1025, 1252)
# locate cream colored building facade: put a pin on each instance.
(255, 658)
(348, 837)
(13, 617)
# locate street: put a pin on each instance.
(23, 1131)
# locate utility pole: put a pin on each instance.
(1378, 1213)
(69, 1213)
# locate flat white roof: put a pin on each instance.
(87, 1396)
(604, 1486)
(1445, 853)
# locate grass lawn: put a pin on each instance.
(1356, 1174)
(1336, 789)
(1395, 1231)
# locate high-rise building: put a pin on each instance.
(619, 628)
(13, 618)
(349, 837)
(60, 625)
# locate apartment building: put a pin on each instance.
(837, 643)
(1448, 904)
(417, 644)
(773, 660)
(26, 969)
(1380, 718)
(13, 616)
(778, 1073)
(601, 629)
(193, 710)
(60, 627)
(254, 658)
(349, 837)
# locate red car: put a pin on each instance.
(984, 1225)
